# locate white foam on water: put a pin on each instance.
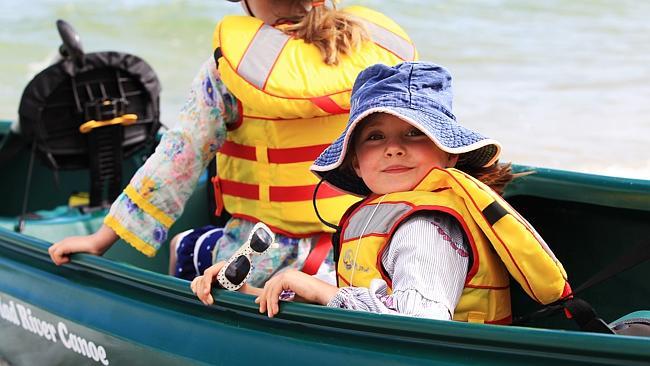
(560, 84)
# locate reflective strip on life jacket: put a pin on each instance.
(384, 217)
(258, 60)
(275, 156)
(276, 193)
(390, 41)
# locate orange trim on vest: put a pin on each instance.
(218, 196)
(343, 279)
(328, 105)
(505, 321)
(275, 156)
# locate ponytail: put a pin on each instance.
(335, 33)
(496, 176)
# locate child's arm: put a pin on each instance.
(158, 191)
(427, 262)
(307, 289)
(96, 244)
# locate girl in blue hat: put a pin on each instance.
(427, 240)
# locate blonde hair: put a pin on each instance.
(334, 32)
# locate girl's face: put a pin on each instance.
(393, 156)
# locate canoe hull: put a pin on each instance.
(125, 304)
(140, 317)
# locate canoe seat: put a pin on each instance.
(634, 324)
(109, 88)
(89, 111)
(58, 223)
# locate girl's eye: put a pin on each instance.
(415, 132)
(374, 136)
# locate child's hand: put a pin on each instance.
(306, 288)
(202, 285)
(95, 244)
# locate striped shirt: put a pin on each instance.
(427, 260)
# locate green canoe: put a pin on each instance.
(122, 309)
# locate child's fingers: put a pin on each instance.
(262, 302)
(269, 307)
(58, 255)
(262, 299)
(273, 294)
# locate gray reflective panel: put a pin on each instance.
(381, 221)
(261, 55)
(391, 41)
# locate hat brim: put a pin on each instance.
(473, 149)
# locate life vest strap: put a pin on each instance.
(276, 193)
(218, 196)
(275, 156)
(328, 105)
(317, 255)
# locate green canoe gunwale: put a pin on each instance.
(581, 187)
(311, 320)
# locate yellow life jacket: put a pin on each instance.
(294, 106)
(501, 242)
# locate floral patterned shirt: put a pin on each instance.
(156, 195)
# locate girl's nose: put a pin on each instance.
(394, 148)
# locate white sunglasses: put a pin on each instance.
(238, 268)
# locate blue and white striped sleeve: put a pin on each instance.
(427, 261)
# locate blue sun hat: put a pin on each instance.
(419, 93)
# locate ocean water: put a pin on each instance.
(561, 83)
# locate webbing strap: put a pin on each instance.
(586, 316)
(494, 212)
(328, 105)
(633, 257)
(637, 255)
(276, 193)
(318, 254)
(275, 156)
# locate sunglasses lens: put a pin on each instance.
(261, 240)
(238, 270)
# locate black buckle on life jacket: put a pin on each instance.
(585, 316)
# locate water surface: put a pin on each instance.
(562, 84)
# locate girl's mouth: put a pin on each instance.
(394, 169)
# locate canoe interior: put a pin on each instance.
(587, 220)
(49, 191)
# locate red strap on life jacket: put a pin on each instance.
(276, 193)
(318, 254)
(218, 196)
(328, 105)
(275, 155)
